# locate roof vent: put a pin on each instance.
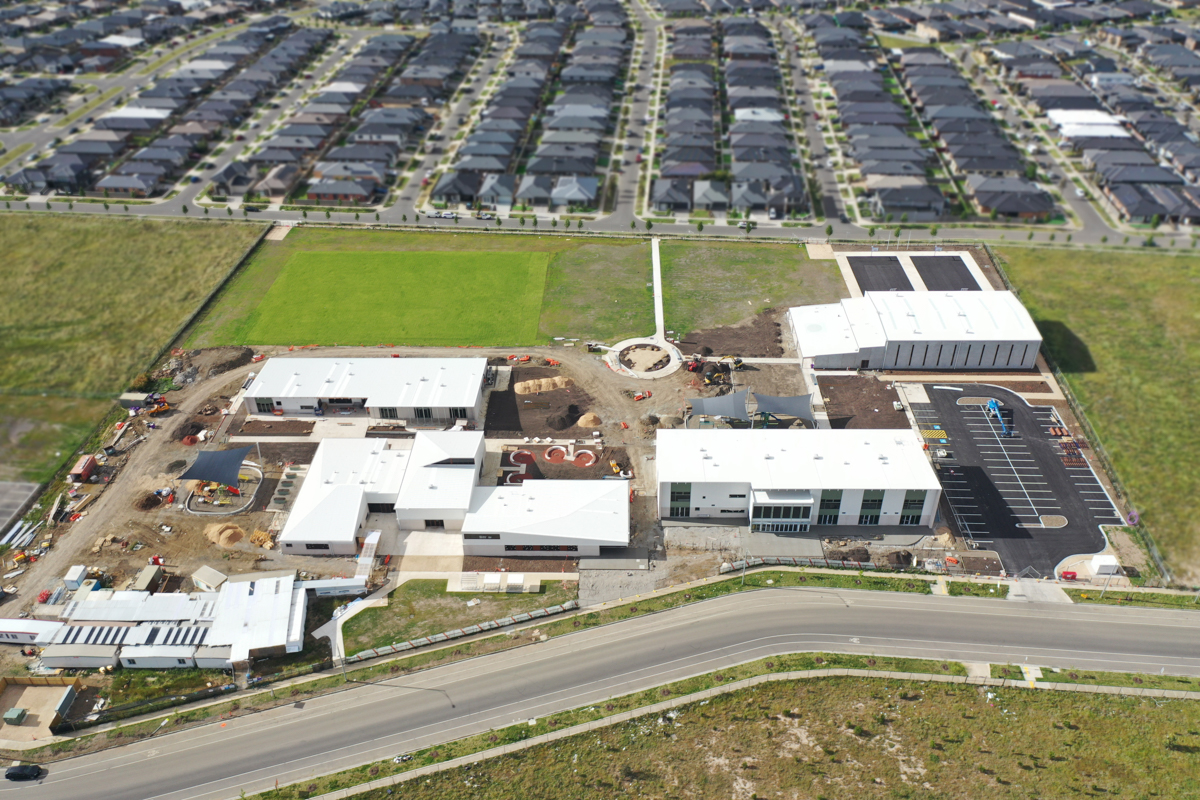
(768, 456)
(818, 457)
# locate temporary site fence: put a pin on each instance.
(458, 633)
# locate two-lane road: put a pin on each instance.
(376, 721)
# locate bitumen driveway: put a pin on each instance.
(1002, 489)
(375, 721)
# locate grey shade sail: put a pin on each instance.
(730, 405)
(799, 406)
(217, 466)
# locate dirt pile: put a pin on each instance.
(231, 358)
(543, 385)
(224, 534)
(148, 502)
(589, 420)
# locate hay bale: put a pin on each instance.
(535, 385)
(589, 420)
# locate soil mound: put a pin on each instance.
(187, 428)
(543, 385)
(148, 502)
(237, 357)
(670, 422)
(558, 422)
(589, 420)
(224, 534)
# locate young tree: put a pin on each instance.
(828, 230)
(206, 211)
(904, 217)
(871, 232)
(649, 224)
(699, 227)
(498, 222)
(229, 211)
(554, 223)
(377, 216)
(522, 222)
(535, 222)
(633, 224)
(70, 205)
(304, 213)
(48, 206)
(897, 233)
(404, 217)
(356, 216)
(933, 231)
(580, 224)
(184, 208)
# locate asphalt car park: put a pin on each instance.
(879, 274)
(1031, 496)
(945, 274)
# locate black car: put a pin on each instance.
(843, 218)
(24, 772)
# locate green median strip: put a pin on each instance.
(87, 108)
(1119, 597)
(15, 153)
(513, 734)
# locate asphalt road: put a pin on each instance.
(377, 721)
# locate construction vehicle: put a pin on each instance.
(1004, 417)
(616, 468)
(646, 395)
(733, 361)
(161, 407)
(696, 364)
(716, 378)
(550, 362)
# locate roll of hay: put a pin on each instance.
(589, 420)
(543, 385)
(224, 534)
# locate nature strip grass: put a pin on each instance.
(15, 153)
(611, 707)
(996, 591)
(87, 108)
(1091, 677)
(1118, 597)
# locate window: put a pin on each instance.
(306, 408)
(737, 497)
(681, 511)
(481, 536)
(182, 661)
(781, 512)
(544, 548)
(914, 500)
(287, 544)
(340, 401)
(868, 519)
(733, 511)
(438, 524)
(831, 500)
(827, 519)
(779, 527)
(681, 493)
(872, 500)
(264, 406)
(458, 413)
(423, 413)
(130, 662)
(910, 519)
(315, 546)
(388, 413)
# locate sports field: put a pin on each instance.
(413, 298)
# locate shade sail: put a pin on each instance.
(730, 405)
(217, 466)
(799, 406)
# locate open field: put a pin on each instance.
(590, 289)
(708, 284)
(404, 298)
(38, 434)
(856, 738)
(423, 608)
(88, 302)
(1123, 327)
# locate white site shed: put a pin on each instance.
(918, 330)
(784, 481)
(27, 631)
(420, 391)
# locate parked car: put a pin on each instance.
(1080, 193)
(743, 224)
(23, 772)
(485, 216)
(773, 213)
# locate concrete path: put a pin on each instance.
(1037, 592)
(660, 324)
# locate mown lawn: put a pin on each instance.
(413, 298)
(1124, 329)
(88, 302)
(856, 738)
(1116, 597)
(423, 608)
(591, 289)
(708, 284)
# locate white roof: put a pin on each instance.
(108, 605)
(255, 613)
(138, 112)
(345, 474)
(42, 629)
(209, 576)
(208, 64)
(344, 86)
(758, 115)
(589, 512)
(1094, 132)
(796, 459)
(953, 316)
(124, 41)
(441, 470)
(1060, 117)
(382, 382)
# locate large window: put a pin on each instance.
(782, 512)
(872, 505)
(831, 506)
(681, 493)
(481, 536)
(315, 546)
(543, 548)
(264, 406)
(435, 524)
(388, 413)
(458, 413)
(914, 500)
(779, 527)
(423, 413)
(910, 519)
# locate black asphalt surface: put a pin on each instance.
(945, 274)
(996, 485)
(879, 274)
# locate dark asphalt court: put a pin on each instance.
(879, 274)
(996, 484)
(945, 274)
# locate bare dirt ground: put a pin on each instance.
(860, 402)
(275, 427)
(760, 337)
(553, 413)
(517, 564)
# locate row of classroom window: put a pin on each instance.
(831, 501)
(266, 407)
